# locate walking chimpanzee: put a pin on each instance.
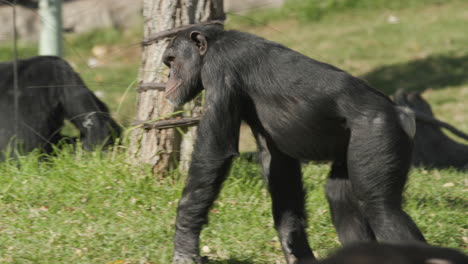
(298, 109)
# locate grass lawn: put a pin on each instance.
(98, 208)
(95, 208)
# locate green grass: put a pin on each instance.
(98, 208)
(24, 51)
(314, 10)
(118, 55)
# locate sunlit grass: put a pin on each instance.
(97, 208)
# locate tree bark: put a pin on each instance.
(165, 149)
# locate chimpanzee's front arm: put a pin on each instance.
(216, 145)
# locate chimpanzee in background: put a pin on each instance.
(373, 253)
(25, 3)
(432, 148)
(50, 91)
(298, 109)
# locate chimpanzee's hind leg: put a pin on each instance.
(347, 218)
(379, 155)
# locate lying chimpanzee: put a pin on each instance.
(373, 253)
(50, 91)
(432, 148)
(298, 109)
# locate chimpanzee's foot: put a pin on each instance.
(186, 259)
(305, 260)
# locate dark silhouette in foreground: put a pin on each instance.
(50, 91)
(395, 254)
(432, 148)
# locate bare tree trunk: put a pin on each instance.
(163, 149)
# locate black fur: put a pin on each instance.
(50, 92)
(25, 3)
(298, 109)
(373, 253)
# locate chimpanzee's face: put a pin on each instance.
(184, 56)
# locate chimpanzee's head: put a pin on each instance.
(184, 56)
(413, 100)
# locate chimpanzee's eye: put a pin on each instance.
(173, 71)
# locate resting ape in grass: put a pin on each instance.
(298, 109)
(49, 92)
(372, 253)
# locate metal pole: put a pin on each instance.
(15, 72)
(50, 42)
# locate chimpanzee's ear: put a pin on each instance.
(200, 41)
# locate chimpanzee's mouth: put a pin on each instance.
(172, 85)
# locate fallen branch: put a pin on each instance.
(169, 123)
(172, 32)
(151, 86)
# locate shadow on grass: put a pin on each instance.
(437, 71)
